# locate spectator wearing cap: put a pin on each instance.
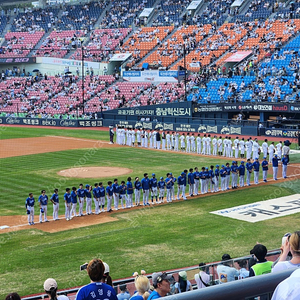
(161, 285)
(262, 266)
(275, 166)
(225, 270)
(290, 245)
(241, 170)
(124, 294)
(183, 285)
(142, 285)
(181, 187)
(50, 287)
(288, 288)
(202, 278)
(264, 165)
(97, 288)
(256, 165)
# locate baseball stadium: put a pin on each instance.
(156, 139)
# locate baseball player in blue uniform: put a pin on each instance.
(146, 188)
(153, 186)
(54, 199)
(256, 165)
(191, 182)
(211, 179)
(74, 202)
(217, 176)
(88, 199)
(249, 167)
(102, 197)
(116, 194)
(81, 195)
(234, 175)
(168, 182)
(202, 180)
(29, 205)
(228, 171)
(197, 181)
(275, 166)
(109, 195)
(137, 191)
(129, 188)
(264, 165)
(43, 201)
(181, 188)
(122, 193)
(223, 178)
(241, 170)
(207, 178)
(162, 187)
(96, 195)
(284, 161)
(172, 186)
(67, 198)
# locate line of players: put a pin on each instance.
(191, 143)
(213, 179)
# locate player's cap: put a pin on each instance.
(182, 173)
(153, 174)
(206, 168)
(242, 162)
(106, 267)
(234, 162)
(265, 157)
(223, 166)
(87, 186)
(275, 155)
(49, 284)
(161, 178)
(217, 166)
(256, 158)
(226, 257)
(159, 277)
(170, 174)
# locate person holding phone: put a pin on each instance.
(96, 288)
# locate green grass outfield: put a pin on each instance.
(164, 237)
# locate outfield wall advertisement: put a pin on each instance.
(51, 122)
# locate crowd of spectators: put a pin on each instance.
(163, 284)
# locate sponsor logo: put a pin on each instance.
(280, 107)
(202, 128)
(262, 107)
(225, 130)
(159, 126)
(12, 120)
(49, 122)
(67, 123)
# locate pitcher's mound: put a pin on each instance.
(93, 172)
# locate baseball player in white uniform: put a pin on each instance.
(198, 140)
(215, 145)
(236, 147)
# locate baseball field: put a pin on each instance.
(159, 237)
